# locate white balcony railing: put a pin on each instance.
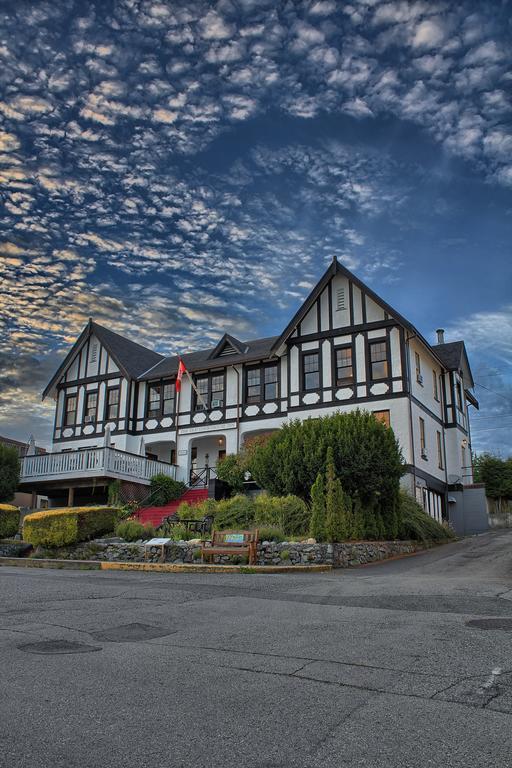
(92, 462)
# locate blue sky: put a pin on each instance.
(176, 170)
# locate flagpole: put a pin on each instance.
(177, 428)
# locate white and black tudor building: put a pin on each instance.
(345, 348)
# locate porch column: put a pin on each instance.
(33, 501)
(71, 496)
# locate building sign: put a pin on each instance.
(205, 428)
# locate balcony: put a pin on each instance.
(91, 463)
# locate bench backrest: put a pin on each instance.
(234, 538)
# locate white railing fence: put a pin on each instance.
(93, 462)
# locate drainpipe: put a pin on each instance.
(238, 399)
(409, 395)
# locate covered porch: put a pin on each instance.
(82, 473)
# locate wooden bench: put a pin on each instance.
(232, 543)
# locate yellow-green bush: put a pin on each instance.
(68, 525)
(9, 520)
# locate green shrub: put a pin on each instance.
(196, 554)
(285, 554)
(164, 489)
(231, 471)
(271, 533)
(69, 525)
(9, 520)
(133, 530)
(237, 512)
(287, 512)
(417, 525)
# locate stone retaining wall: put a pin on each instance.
(346, 555)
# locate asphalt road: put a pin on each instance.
(380, 666)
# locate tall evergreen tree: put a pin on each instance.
(358, 530)
(336, 513)
(317, 525)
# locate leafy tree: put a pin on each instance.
(231, 470)
(367, 459)
(496, 474)
(317, 525)
(9, 472)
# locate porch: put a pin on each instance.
(90, 464)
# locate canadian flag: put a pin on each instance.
(181, 371)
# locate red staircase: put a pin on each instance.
(155, 515)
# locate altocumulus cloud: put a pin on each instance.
(177, 170)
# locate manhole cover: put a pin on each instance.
(505, 624)
(57, 647)
(129, 633)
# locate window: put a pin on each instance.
(311, 370)
(261, 384)
(93, 354)
(458, 390)
(270, 376)
(91, 401)
(70, 410)
(168, 392)
(344, 367)
(419, 377)
(112, 403)
(436, 386)
(217, 400)
(173, 455)
(439, 451)
(154, 400)
(211, 392)
(201, 396)
(423, 444)
(379, 367)
(384, 417)
(253, 386)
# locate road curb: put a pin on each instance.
(95, 565)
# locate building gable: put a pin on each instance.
(339, 301)
(100, 352)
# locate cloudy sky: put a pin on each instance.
(179, 169)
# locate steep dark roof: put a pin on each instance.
(454, 357)
(257, 349)
(131, 358)
(450, 354)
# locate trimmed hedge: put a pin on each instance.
(9, 520)
(69, 525)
